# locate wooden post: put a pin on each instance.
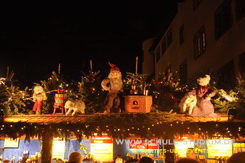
(7, 75)
(91, 65)
(136, 66)
(47, 142)
(59, 68)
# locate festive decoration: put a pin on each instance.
(187, 103)
(38, 97)
(167, 92)
(232, 100)
(75, 106)
(59, 100)
(55, 84)
(90, 91)
(12, 99)
(135, 83)
(83, 148)
(225, 100)
(147, 125)
(203, 93)
(137, 104)
(113, 84)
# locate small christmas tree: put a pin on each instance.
(12, 99)
(134, 83)
(167, 92)
(90, 91)
(51, 86)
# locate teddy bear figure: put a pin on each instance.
(39, 96)
(113, 84)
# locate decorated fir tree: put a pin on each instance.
(90, 91)
(134, 83)
(167, 92)
(12, 99)
(55, 84)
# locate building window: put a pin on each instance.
(157, 54)
(196, 3)
(164, 45)
(240, 8)
(223, 18)
(181, 35)
(199, 42)
(169, 37)
(183, 72)
(226, 76)
(167, 40)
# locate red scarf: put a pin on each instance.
(202, 90)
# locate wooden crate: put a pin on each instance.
(137, 103)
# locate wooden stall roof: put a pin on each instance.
(59, 118)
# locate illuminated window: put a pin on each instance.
(199, 42)
(181, 35)
(223, 18)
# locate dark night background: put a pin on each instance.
(36, 36)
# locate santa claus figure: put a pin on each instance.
(39, 96)
(113, 84)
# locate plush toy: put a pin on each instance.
(113, 84)
(39, 96)
(75, 106)
(187, 103)
(203, 93)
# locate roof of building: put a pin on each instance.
(60, 118)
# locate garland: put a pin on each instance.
(120, 126)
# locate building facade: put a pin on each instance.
(204, 37)
(148, 58)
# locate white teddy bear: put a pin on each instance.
(187, 103)
(75, 106)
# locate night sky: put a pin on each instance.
(36, 36)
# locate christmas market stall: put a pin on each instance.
(120, 118)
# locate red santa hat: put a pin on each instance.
(113, 67)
